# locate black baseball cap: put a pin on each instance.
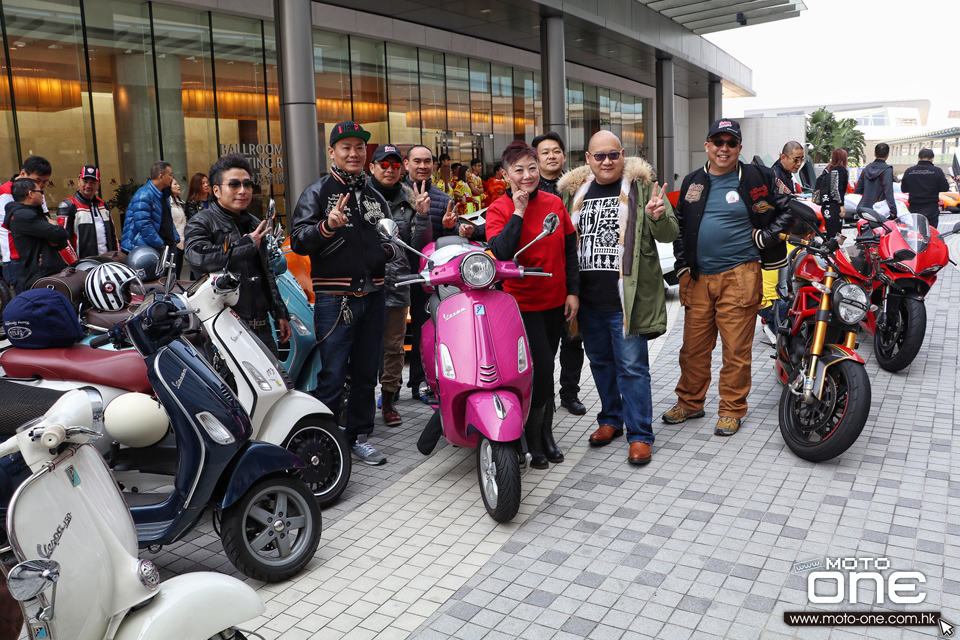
(348, 129)
(384, 151)
(90, 171)
(726, 126)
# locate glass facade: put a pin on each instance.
(123, 83)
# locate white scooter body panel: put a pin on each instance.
(194, 606)
(286, 412)
(72, 512)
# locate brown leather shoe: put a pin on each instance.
(391, 417)
(604, 435)
(639, 453)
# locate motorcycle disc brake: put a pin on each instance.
(817, 417)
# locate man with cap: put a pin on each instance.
(87, 218)
(731, 216)
(335, 223)
(409, 207)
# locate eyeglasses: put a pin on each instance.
(601, 157)
(236, 184)
(36, 190)
(796, 160)
(730, 143)
(384, 164)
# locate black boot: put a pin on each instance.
(533, 432)
(550, 448)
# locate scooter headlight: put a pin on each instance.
(851, 302)
(478, 270)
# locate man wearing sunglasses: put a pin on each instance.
(730, 215)
(410, 209)
(787, 167)
(36, 237)
(335, 223)
(206, 234)
(622, 303)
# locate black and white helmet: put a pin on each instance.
(108, 286)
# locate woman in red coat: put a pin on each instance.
(512, 222)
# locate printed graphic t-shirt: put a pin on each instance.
(599, 250)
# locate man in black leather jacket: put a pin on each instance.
(206, 232)
(924, 181)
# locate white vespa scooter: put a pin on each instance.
(73, 535)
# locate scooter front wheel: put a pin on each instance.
(320, 443)
(498, 470)
(273, 530)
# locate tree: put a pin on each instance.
(826, 133)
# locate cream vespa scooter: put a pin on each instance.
(78, 575)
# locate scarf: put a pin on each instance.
(352, 180)
(390, 193)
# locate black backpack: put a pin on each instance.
(821, 187)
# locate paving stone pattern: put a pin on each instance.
(698, 544)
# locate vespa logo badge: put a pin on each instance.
(179, 381)
(47, 550)
(73, 475)
(447, 316)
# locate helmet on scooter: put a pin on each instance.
(146, 262)
(108, 286)
(135, 420)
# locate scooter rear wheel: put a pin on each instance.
(273, 530)
(498, 470)
(320, 443)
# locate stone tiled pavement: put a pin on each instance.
(699, 544)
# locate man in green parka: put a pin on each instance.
(620, 213)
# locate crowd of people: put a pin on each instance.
(605, 299)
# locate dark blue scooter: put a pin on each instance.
(269, 521)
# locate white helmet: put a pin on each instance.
(135, 420)
(108, 286)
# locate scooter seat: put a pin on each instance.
(120, 369)
(106, 320)
(22, 403)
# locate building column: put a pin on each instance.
(553, 75)
(298, 96)
(665, 120)
(716, 101)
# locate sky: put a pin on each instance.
(852, 51)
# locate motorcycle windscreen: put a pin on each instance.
(74, 514)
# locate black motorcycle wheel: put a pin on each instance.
(498, 472)
(273, 530)
(831, 425)
(897, 346)
(323, 448)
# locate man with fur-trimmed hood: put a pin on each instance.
(410, 209)
(620, 212)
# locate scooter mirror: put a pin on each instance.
(29, 579)
(550, 223)
(388, 229)
(904, 254)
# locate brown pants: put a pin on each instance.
(726, 303)
(395, 329)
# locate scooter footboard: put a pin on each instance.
(498, 415)
(194, 606)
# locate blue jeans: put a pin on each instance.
(355, 348)
(11, 273)
(621, 371)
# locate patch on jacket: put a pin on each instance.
(763, 206)
(759, 192)
(694, 192)
(372, 211)
(782, 188)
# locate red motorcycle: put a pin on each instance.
(907, 254)
(826, 395)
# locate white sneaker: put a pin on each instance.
(768, 332)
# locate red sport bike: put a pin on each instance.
(907, 253)
(826, 396)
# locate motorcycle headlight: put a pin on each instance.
(477, 269)
(929, 271)
(899, 266)
(851, 302)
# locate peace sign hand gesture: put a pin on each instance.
(337, 217)
(657, 205)
(450, 217)
(421, 197)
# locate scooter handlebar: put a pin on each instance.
(53, 436)
(101, 340)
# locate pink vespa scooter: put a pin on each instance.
(477, 360)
